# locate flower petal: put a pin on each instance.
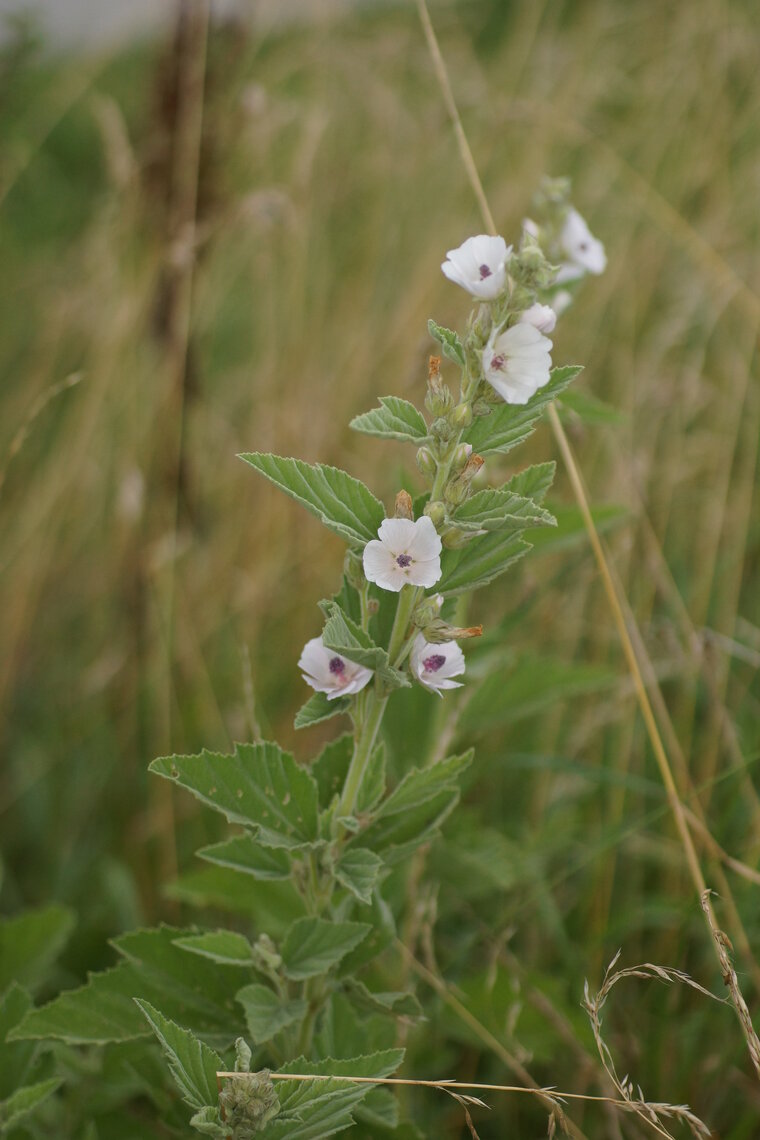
(425, 542)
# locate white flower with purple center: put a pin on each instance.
(542, 317)
(584, 252)
(517, 362)
(404, 552)
(329, 672)
(479, 265)
(435, 665)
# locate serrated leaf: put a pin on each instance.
(154, 968)
(533, 482)
(259, 785)
(208, 1121)
(243, 853)
(193, 1064)
(313, 945)
(24, 1101)
(313, 1110)
(499, 509)
(416, 808)
(330, 767)
(343, 504)
(379, 1109)
(451, 345)
(344, 637)
(387, 1004)
(359, 870)
(479, 562)
(30, 943)
(319, 708)
(394, 419)
(226, 947)
(510, 424)
(266, 1013)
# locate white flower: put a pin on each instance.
(479, 265)
(517, 362)
(542, 317)
(328, 672)
(584, 252)
(406, 552)
(562, 301)
(435, 665)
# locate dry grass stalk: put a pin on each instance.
(723, 947)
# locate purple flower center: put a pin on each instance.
(484, 272)
(337, 666)
(433, 663)
(497, 362)
(404, 560)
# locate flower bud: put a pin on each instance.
(456, 492)
(249, 1102)
(441, 429)
(452, 538)
(460, 456)
(481, 407)
(242, 1056)
(265, 956)
(403, 507)
(373, 606)
(436, 512)
(461, 417)
(474, 464)
(437, 631)
(426, 463)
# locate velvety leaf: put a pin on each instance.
(344, 637)
(319, 708)
(313, 945)
(193, 1065)
(259, 785)
(312, 1110)
(243, 853)
(451, 345)
(31, 942)
(155, 969)
(479, 562)
(510, 424)
(388, 1004)
(330, 767)
(500, 509)
(273, 904)
(16, 1057)
(226, 947)
(24, 1101)
(394, 419)
(359, 870)
(266, 1013)
(341, 502)
(533, 482)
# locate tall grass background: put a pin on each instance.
(155, 597)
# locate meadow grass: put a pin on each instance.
(136, 622)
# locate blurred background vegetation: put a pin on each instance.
(155, 596)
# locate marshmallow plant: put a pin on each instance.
(317, 847)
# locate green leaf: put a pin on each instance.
(359, 870)
(31, 942)
(342, 503)
(345, 637)
(226, 947)
(533, 482)
(373, 783)
(193, 1065)
(259, 785)
(394, 419)
(312, 1110)
(450, 343)
(330, 767)
(387, 1004)
(25, 1100)
(319, 708)
(416, 808)
(273, 905)
(313, 945)
(154, 968)
(479, 562)
(208, 1121)
(243, 853)
(510, 424)
(16, 1057)
(266, 1013)
(500, 509)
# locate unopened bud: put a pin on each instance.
(373, 606)
(403, 508)
(474, 464)
(481, 407)
(436, 512)
(456, 492)
(265, 955)
(461, 417)
(452, 538)
(242, 1056)
(249, 1102)
(460, 456)
(438, 631)
(441, 429)
(425, 462)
